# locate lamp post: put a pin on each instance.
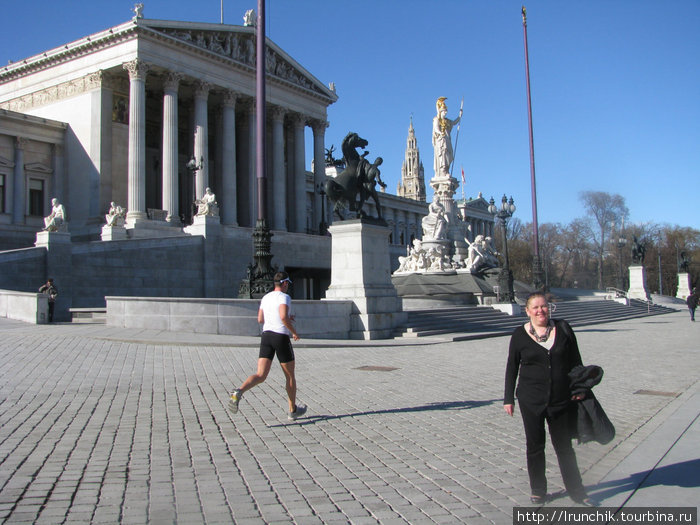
(193, 168)
(505, 278)
(621, 243)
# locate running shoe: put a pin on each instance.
(300, 411)
(235, 398)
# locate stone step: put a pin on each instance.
(482, 320)
(88, 315)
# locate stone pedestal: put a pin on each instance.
(59, 267)
(113, 233)
(360, 272)
(683, 286)
(638, 287)
(44, 239)
(204, 225)
(209, 227)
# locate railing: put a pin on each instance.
(614, 293)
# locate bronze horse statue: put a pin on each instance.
(356, 183)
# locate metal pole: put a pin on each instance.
(535, 228)
(260, 112)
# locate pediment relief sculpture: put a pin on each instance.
(241, 48)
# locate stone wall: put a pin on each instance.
(313, 319)
(167, 267)
(210, 265)
(24, 306)
(23, 270)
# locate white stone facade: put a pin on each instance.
(141, 99)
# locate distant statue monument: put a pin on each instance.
(426, 259)
(249, 18)
(116, 215)
(683, 263)
(638, 250)
(435, 223)
(331, 160)
(207, 205)
(56, 220)
(138, 11)
(442, 139)
(356, 183)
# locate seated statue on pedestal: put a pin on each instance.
(116, 215)
(435, 223)
(56, 220)
(207, 205)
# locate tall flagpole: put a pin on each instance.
(536, 266)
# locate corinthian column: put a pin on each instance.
(228, 161)
(279, 177)
(299, 123)
(136, 191)
(170, 147)
(201, 136)
(19, 195)
(319, 127)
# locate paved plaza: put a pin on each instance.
(108, 425)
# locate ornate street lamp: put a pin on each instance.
(193, 168)
(505, 278)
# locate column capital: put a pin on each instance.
(277, 113)
(137, 69)
(230, 98)
(96, 80)
(20, 142)
(318, 125)
(58, 149)
(298, 119)
(201, 89)
(172, 81)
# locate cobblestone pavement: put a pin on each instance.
(99, 426)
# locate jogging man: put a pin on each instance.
(274, 315)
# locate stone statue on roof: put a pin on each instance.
(249, 18)
(138, 11)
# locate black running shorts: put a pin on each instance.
(273, 343)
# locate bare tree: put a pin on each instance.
(604, 210)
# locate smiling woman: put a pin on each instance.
(541, 354)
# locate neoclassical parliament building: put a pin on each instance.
(147, 115)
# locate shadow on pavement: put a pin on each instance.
(449, 405)
(683, 474)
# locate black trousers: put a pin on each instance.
(560, 432)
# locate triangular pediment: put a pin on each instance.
(38, 167)
(478, 203)
(237, 43)
(6, 163)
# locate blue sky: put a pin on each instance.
(615, 86)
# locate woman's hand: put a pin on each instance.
(509, 409)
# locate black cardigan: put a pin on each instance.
(544, 381)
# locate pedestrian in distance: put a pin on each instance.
(542, 352)
(278, 326)
(49, 288)
(692, 302)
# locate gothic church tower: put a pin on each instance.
(412, 185)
